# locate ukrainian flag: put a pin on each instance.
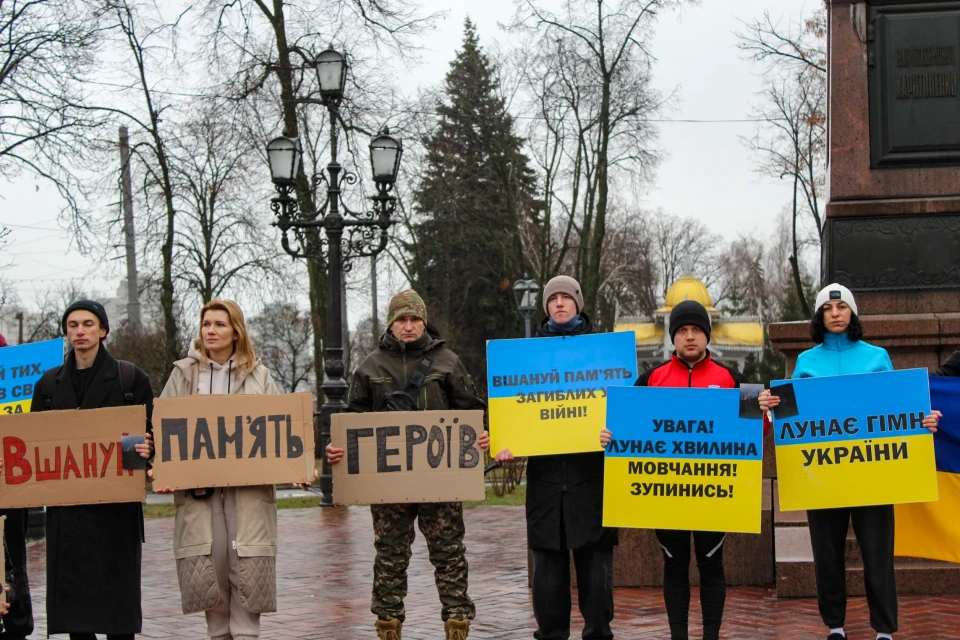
(930, 529)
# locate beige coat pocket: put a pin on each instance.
(199, 590)
(258, 584)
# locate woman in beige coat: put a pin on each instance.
(225, 538)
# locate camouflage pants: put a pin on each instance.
(441, 523)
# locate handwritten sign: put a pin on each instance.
(21, 368)
(408, 456)
(854, 440)
(233, 440)
(548, 395)
(682, 459)
(57, 458)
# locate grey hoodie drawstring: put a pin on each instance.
(229, 376)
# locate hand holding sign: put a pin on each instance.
(768, 400)
(932, 421)
(605, 436)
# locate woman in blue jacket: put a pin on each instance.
(837, 331)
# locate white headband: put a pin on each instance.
(836, 292)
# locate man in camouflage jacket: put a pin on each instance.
(447, 385)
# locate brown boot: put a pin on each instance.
(388, 629)
(456, 629)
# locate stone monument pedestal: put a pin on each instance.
(892, 227)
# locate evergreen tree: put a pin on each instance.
(476, 186)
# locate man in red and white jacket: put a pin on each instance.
(691, 366)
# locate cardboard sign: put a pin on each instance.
(408, 456)
(682, 458)
(21, 368)
(548, 395)
(233, 440)
(58, 458)
(855, 440)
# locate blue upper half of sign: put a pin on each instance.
(852, 407)
(711, 424)
(562, 363)
(21, 367)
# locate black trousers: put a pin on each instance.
(873, 527)
(551, 592)
(676, 580)
(18, 623)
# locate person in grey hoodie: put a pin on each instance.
(225, 538)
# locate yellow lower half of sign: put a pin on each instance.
(546, 428)
(10, 408)
(686, 502)
(856, 473)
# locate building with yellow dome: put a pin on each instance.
(732, 338)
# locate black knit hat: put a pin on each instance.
(689, 312)
(93, 307)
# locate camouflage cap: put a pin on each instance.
(406, 303)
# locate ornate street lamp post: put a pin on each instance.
(367, 232)
(526, 292)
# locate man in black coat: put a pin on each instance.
(18, 622)
(94, 551)
(565, 508)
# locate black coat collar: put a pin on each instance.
(64, 396)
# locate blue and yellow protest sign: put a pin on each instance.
(684, 459)
(21, 368)
(548, 395)
(854, 440)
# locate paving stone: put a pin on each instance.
(325, 570)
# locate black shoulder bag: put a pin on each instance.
(406, 400)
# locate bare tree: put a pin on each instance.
(46, 46)
(592, 70)
(149, 41)
(742, 287)
(8, 299)
(283, 335)
(790, 142)
(629, 271)
(681, 246)
(44, 323)
(221, 239)
(361, 343)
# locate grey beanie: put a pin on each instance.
(563, 284)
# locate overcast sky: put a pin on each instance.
(707, 173)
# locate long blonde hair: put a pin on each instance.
(246, 358)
